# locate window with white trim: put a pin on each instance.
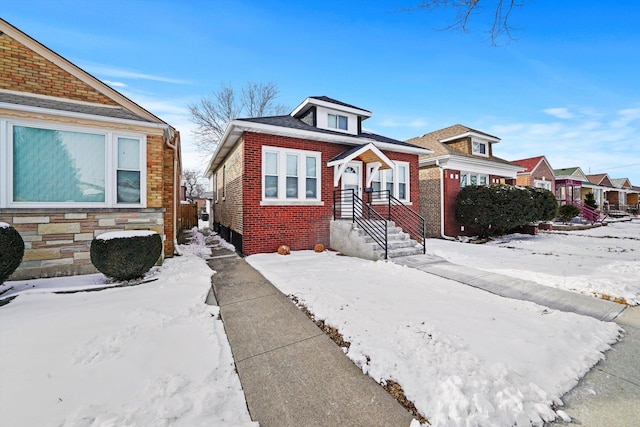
(336, 121)
(467, 178)
(61, 166)
(542, 184)
(395, 180)
(290, 175)
(480, 148)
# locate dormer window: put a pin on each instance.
(480, 148)
(336, 121)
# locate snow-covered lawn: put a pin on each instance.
(603, 261)
(463, 356)
(146, 355)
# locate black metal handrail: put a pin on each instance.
(347, 205)
(403, 216)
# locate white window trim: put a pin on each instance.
(478, 153)
(541, 183)
(477, 175)
(111, 156)
(282, 199)
(396, 182)
(337, 126)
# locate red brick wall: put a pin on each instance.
(299, 227)
(451, 182)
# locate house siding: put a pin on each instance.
(430, 200)
(23, 70)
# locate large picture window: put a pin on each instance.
(72, 167)
(290, 175)
(395, 180)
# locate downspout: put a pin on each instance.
(169, 135)
(442, 202)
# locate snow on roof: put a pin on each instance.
(125, 234)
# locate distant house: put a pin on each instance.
(279, 180)
(605, 193)
(461, 156)
(568, 188)
(627, 194)
(77, 159)
(537, 173)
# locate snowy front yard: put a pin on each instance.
(462, 355)
(147, 355)
(603, 261)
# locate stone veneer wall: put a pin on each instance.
(57, 243)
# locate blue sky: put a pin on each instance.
(568, 87)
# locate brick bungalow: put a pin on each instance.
(273, 178)
(461, 156)
(537, 173)
(77, 158)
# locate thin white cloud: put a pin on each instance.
(597, 142)
(561, 113)
(115, 84)
(105, 70)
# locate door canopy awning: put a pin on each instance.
(373, 158)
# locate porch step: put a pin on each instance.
(399, 243)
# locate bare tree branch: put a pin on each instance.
(467, 10)
(214, 112)
(191, 179)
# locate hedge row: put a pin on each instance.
(497, 209)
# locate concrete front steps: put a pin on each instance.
(349, 239)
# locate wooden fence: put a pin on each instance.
(188, 216)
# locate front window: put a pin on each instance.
(295, 171)
(467, 178)
(542, 184)
(396, 181)
(480, 148)
(337, 121)
(67, 166)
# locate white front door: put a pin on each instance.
(351, 180)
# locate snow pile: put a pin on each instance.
(4, 225)
(146, 355)
(126, 234)
(462, 355)
(603, 261)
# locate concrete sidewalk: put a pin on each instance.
(515, 288)
(291, 372)
(609, 394)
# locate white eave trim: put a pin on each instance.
(330, 105)
(468, 164)
(477, 135)
(237, 127)
(76, 115)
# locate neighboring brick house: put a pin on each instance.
(537, 173)
(77, 158)
(273, 178)
(461, 156)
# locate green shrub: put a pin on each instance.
(567, 212)
(545, 205)
(498, 209)
(590, 200)
(11, 252)
(126, 255)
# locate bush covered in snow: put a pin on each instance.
(12, 250)
(498, 209)
(567, 212)
(126, 255)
